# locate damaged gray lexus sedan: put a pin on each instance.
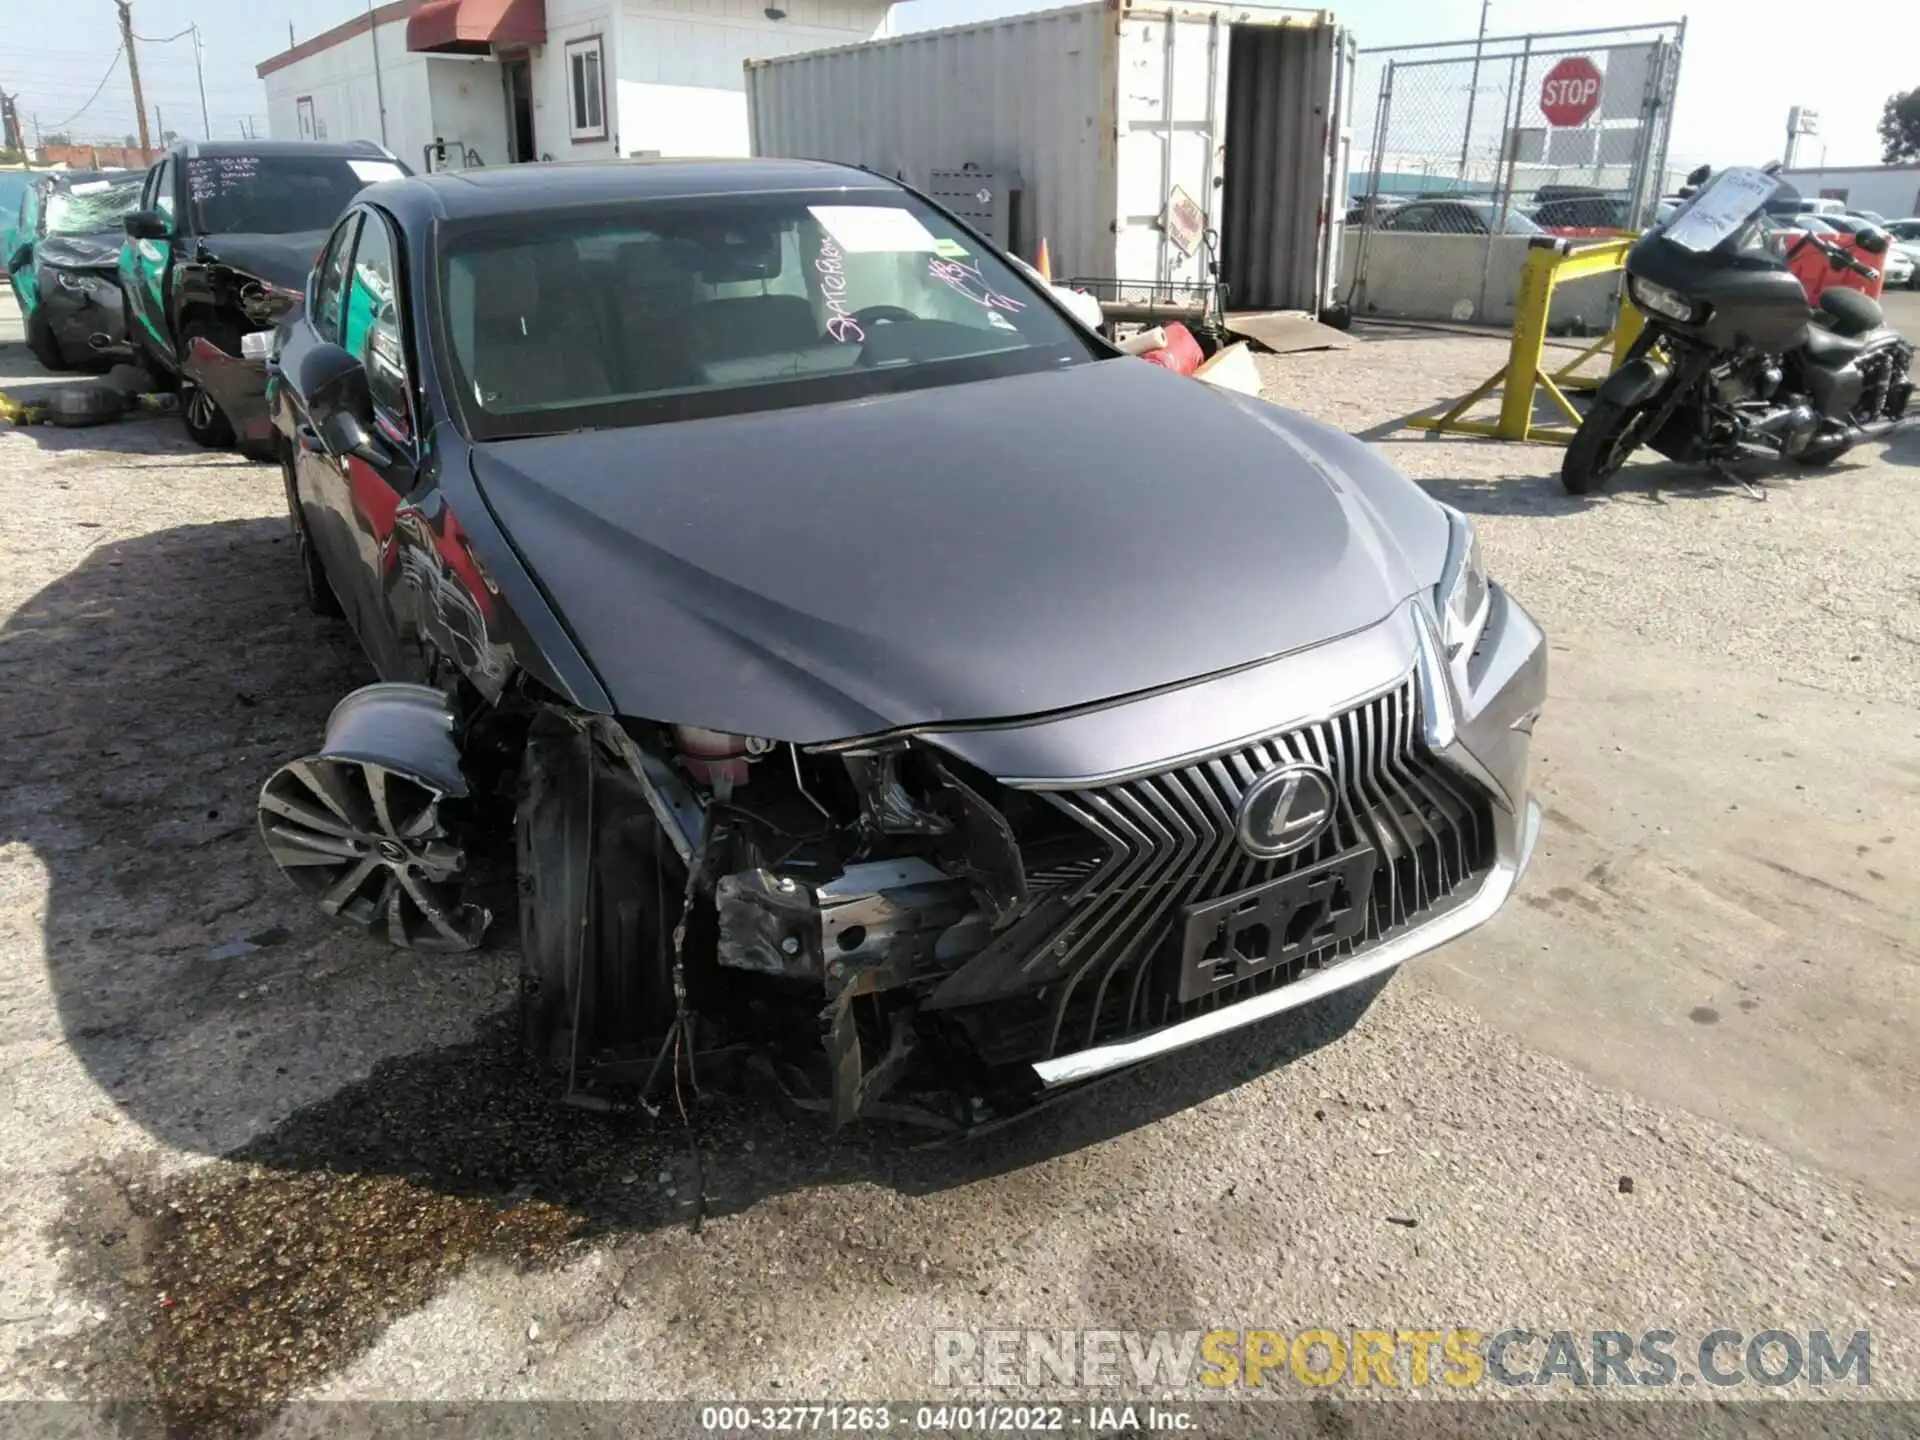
(859, 670)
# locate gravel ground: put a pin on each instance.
(1672, 1089)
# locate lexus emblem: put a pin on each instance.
(1285, 810)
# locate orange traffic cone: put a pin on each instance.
(1044, 262)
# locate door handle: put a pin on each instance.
(309, 439)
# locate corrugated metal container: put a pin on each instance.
(1106, 112)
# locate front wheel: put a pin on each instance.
(1606, 438)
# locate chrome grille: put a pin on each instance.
(1169, 842)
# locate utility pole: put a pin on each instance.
(1473, 89)
(133, 70)
(200, 74)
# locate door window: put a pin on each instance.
(163, 190)
(370, 328)
(331, 278)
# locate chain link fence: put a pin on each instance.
(1466, 151)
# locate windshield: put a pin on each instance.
(92, 206)
(276, 194)
(1723, 209)
(668, 310)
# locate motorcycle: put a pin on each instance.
(1732, 356)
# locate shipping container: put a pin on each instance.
(1148, 141)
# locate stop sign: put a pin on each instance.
(1571, 91)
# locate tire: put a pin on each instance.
(202, 415)
(45, 348)
(1605, 440)
(313, 573)
(596, 979)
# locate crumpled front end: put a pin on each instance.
(1030, 906)
(85, 312)
(238, 386)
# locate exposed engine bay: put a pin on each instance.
(803, 907)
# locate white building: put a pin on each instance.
(511, 80)
(1889, 190)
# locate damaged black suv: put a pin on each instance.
(855, 665)
(220, 247)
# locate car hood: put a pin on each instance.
(277, 259)
(80, 252)
(1005, 548)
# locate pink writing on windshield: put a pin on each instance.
(841, 325)
(966, 280)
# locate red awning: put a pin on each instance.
(469, 27)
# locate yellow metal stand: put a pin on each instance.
(1546, 267)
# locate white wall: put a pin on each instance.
(673, 78)
(340, 80)
(572, 20)
(469, 105)
(1441, 277)
(1889, 190)
(679, 75)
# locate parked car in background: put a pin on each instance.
(1367, 209)
(1591, 216)
(219, 248)
(13, 184)
(63, 251)
(1457, 217)
(580, 450)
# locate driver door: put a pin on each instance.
(19, 255)
(146, 266)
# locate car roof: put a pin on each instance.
(265, 149)
(512, 189)
(87, 177)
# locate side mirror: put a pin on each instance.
(146, 225)
(343, 433)
(334, 386)
(1873, 240)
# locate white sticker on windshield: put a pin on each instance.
(868, 229)
(374, 171)
(1723, 205)
(89, 187)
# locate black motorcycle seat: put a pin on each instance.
(1851, 312)
(1825, 347)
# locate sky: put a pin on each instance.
(1740, 74)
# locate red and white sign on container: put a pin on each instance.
(1571, 92)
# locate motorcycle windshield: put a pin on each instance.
(1721, 208)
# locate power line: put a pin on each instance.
(111, 65)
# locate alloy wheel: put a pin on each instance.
(369, 845)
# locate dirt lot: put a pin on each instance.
(1674, 1086)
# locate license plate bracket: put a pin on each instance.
(1240, 935)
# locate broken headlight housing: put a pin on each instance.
(265, 303)
(1465, 595)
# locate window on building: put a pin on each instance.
(586, 90)
(303, 109)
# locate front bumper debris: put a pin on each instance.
(1137, 945)
(238, 386)
(77, 317)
